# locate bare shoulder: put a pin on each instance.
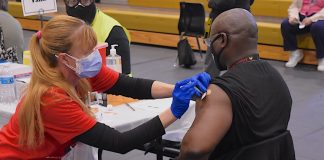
(217, 97)
(213, 120)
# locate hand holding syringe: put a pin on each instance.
(192, 88)
(203, 79)
(201, 93)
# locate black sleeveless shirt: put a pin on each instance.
(261, 105)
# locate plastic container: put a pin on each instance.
(114, 60)
(7, 86)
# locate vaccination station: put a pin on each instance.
(161, 79)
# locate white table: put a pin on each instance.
(123, 118)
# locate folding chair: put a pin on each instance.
(192, 21)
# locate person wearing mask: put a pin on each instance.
(218, 7)
(106, 28)
(248, 104)
(12, 33)
(304, 16)
(53, 114)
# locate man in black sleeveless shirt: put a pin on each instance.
(248, 104)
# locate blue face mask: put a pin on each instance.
(87, 67)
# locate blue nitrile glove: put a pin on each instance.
(185, 90)
(182, 93)
(203, 80)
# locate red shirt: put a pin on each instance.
(311, 6)
(63, 120)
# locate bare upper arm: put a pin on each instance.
(212, 121)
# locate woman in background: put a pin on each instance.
(304, 16)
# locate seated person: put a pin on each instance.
(106, 28)
(305, 16)
(218, 7)
(12, 39)
(248, 104)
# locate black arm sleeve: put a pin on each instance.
(102, 136)
(118, 36)
(132, 87)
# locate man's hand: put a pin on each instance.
(293, 20)
(307, 21)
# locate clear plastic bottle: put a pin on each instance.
(114, 60)
(7, 86)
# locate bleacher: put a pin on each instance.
(155, 22)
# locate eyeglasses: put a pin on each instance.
(209, 41)
(74, 3)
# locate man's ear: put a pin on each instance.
(224, 39)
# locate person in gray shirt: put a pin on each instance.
(12, 30)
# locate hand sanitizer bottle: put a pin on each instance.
(114, 60)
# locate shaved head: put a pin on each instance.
(235, 21)
(235, 35)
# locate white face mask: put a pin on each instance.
(87, 67)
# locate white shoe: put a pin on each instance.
(320, 66)
(294, 58)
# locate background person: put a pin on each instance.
(106, 28)
(12, 31)
(309, 14)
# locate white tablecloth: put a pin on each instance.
(123, 118)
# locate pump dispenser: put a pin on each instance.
(114, 60)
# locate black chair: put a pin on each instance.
(192, 21)
(280, 147)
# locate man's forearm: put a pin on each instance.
(161, 90)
